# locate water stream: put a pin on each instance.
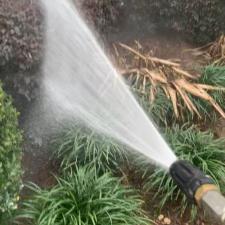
(83, 85)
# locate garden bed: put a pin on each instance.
(39, 163)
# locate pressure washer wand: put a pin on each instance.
(200, 189)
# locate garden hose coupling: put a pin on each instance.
(200, 189)
(188, 178)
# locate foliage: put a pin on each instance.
(79, 147)
(199, 148)
(21, 30)
(213, 75)
(82, 198)
(10, 156)
(162, 109)
(174, 94)
(212, 53)
(104, 15)
(201, 20)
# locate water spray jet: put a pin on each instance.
(81, 84)
(200, 189)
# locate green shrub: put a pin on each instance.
(80, 146)
(82, 198)
(10, 156)
(201, 20)
(199, 148)
(103, 15)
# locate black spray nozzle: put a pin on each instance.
(188, 178)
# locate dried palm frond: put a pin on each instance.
(213, 52)
(178, 85)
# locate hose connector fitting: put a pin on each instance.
(200, 189)
(189, 178)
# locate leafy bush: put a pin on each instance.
(201, 20)
(199, 148)
(83, 198)
(22, 30)
(79, 147)
(10, 156)
(104, 15)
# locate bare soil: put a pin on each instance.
(39, 167)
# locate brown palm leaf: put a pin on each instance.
(213, 52)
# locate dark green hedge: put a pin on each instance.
(10, 157)
(201, 20)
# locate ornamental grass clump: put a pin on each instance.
(79, 147)
(211, 76)
(199, 148)
(83, 198)
(10, 157)
(215, 76)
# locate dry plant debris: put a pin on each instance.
(178, 84)
(164, 220)
(213, 52)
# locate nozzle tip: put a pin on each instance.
(188, 178)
